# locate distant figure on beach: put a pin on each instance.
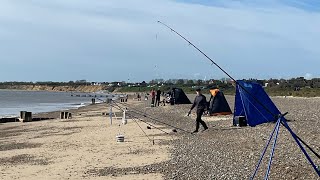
(168, 98)
(139, 97)
(153, 96)
(201, 103)
(158, 97)
(164, 102)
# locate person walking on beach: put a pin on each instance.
(200, 102)
(158, 97)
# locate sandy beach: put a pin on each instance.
(75, 148)
(85, 146)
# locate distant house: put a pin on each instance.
(211, 81)
(143, 84)
(113, 84)
(96, 83)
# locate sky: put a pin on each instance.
(121, 40)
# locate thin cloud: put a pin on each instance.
(108, 39)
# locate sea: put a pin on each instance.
(14, 101)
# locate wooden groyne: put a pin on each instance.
(17, 119)
(9, 119)
(25, 116)
(89, 95)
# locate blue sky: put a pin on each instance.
(120, 40)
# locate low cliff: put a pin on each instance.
(80, 88)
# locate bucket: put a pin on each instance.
(120, 138)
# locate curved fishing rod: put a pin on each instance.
(141, 129)
(134, 117)
(315, 153)
(154, 119)
(267, 109)
(190, 43)
(119, 108)
(198, 50)
(257, 100)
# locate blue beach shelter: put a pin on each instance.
(253, 103)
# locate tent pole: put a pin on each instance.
(305, 144)
(264, 151)
(285, 124)
(273, 148)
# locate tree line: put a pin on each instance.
(285, 87)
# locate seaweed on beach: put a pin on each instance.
(138, 151)
(72, 128)
(11, 146)
(10, 131)
(111, 171)
(74, 120)
(46, 134)
(23, 159)
(9, 128)
(59, 132)
(6, 134)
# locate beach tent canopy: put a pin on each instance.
(179, 96)
(252, 102)
(218, 104)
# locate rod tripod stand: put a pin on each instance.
(283, 121)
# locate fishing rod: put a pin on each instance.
(153, 126)
(213, 62)
(143, 131)
(144, 114)
(154, 119)
(315, 153)
(190, 43)
(237, 83)
(140, 128)
(118, 107)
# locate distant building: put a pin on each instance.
(96, 83)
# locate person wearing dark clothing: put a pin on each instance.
(200, 102)
(153, 97)
(158, 97)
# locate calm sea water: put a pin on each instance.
(12, 102)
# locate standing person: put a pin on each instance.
(201, 103)
(153, 96)
(139, 97)
(158, 97)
